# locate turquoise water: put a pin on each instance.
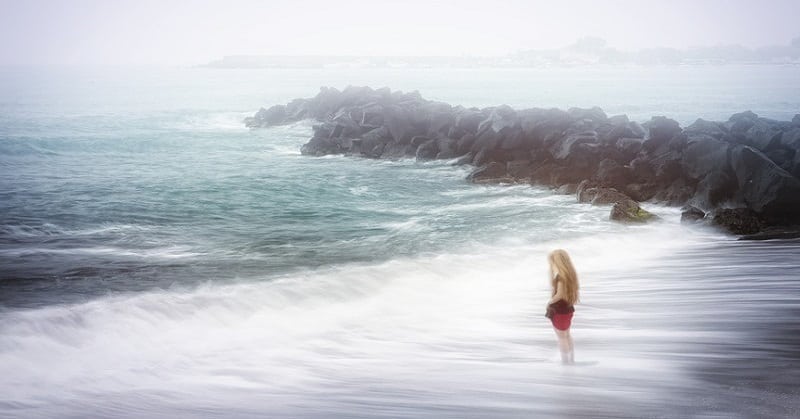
(159, 259)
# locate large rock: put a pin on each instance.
(447, 149)
(501, 117)
(612, 174)
(715, 189)
(704, 154)
(641, 191)
(629, 147)
(541, 124)
(677, 193)
(661, 130)
(267, 117)
(563, 149)
(690, 214)
(763, 135)
(491, 173)
(709, 128)
(766, 188)
(519, 169)
(427, 150)
(468, 120)
(738, 220)
(397, 120)
(739, 123)
(629, 211)
(601, 196)
(594, 115)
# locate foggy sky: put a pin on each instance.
(63, 32)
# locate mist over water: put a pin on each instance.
(158, 259)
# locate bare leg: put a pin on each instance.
(565, 346)
(571, 347)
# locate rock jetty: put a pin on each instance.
(742, 174)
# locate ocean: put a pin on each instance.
(159, 259)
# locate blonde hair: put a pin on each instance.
(559, 259)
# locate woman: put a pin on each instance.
(564, 281)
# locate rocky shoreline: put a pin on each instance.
(742, 174)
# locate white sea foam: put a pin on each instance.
(441, 329)
(210, 122)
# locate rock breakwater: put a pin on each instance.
(744, 171)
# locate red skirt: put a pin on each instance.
(561, 321)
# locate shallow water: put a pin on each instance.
(158, 259)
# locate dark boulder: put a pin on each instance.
(738, 220)
(418, 140)
(617, 120)
(629, 147)
(372, 115)
(763, 135)
(463, 160)
(666, 167)
(500, 118)
(427, 150)
(594, 115)
(319, 146)
(440, 122)
(601, 196)
(606, 196)
(641, 191)
(637, 130)
(468, 120)
(783, 157)
(397, 120)
(642, 169)
(487, 140)
(583, 188)
(715, 189)
(704, 154)
(481, 158)
(465, 143)
(519, 169)
(629, 211)
(267, 117)
(447, 148)
(660, 131)
(612, 174)
(740, 122)
(490, 173)
(563, 149)
(709, 128)
(394, 150)
(791, 139)
(540, 124)
(766, 188)
(567, 189)
(543, 174)
(690, 214)
(677, 193)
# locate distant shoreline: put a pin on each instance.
(585, 51)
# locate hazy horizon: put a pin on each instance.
(191, 33)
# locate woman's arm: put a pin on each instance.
(560, 293)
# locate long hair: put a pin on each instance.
(561, 267)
